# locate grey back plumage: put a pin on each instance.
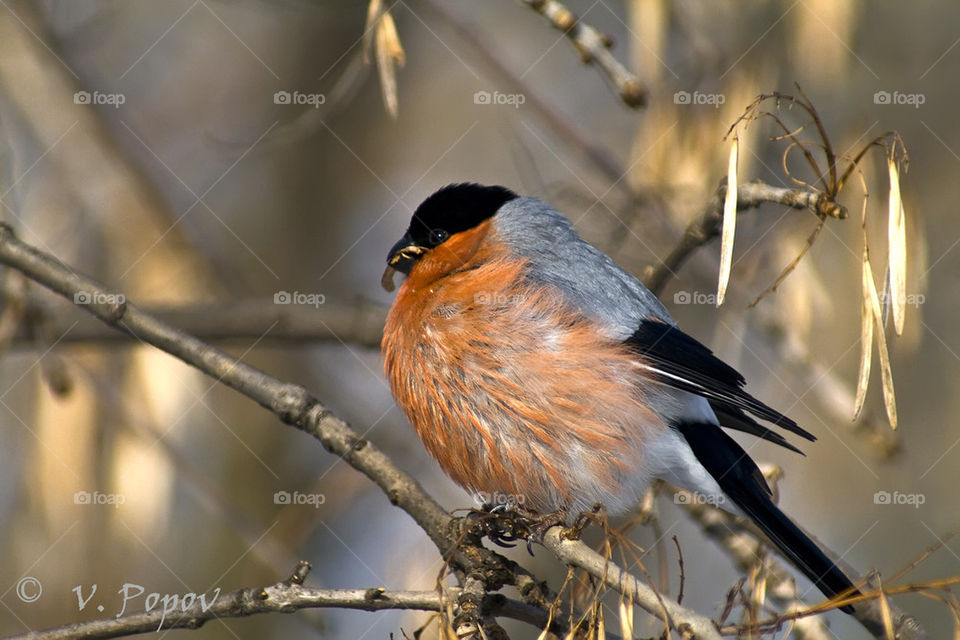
(589, 279)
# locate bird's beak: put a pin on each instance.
(401, 258)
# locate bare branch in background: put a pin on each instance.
(593, 47)
(707, 227)
(601, 157)
(93, 167)
(359, 323)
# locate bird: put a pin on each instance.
(532, 366)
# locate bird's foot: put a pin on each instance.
(539, 523)
(533, 526)
(500, 523)
(506, 524)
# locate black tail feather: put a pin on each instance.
(731, 417)
(741, 480)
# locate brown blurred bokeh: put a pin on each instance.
(179, 175)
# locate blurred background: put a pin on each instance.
(210, 157)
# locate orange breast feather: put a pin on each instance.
(508, 388)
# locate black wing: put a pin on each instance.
(679, 361)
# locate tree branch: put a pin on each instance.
(705, 228)
(577, 554)
(283, 597)
(593, 46)
(97, 173)
(599, 156)
(359, 323)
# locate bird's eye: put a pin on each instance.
(438, 236)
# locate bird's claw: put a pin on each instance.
(502, 537)
(498, 524)
(507, 524)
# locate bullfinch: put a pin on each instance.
(533, 366)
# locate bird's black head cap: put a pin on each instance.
(455, 208)
(452, 209)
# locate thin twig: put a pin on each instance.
(92, 168)
(683, 577)
(576, 553)
(707, 227)
(593, 46)
(358, 322)
(578, 140)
